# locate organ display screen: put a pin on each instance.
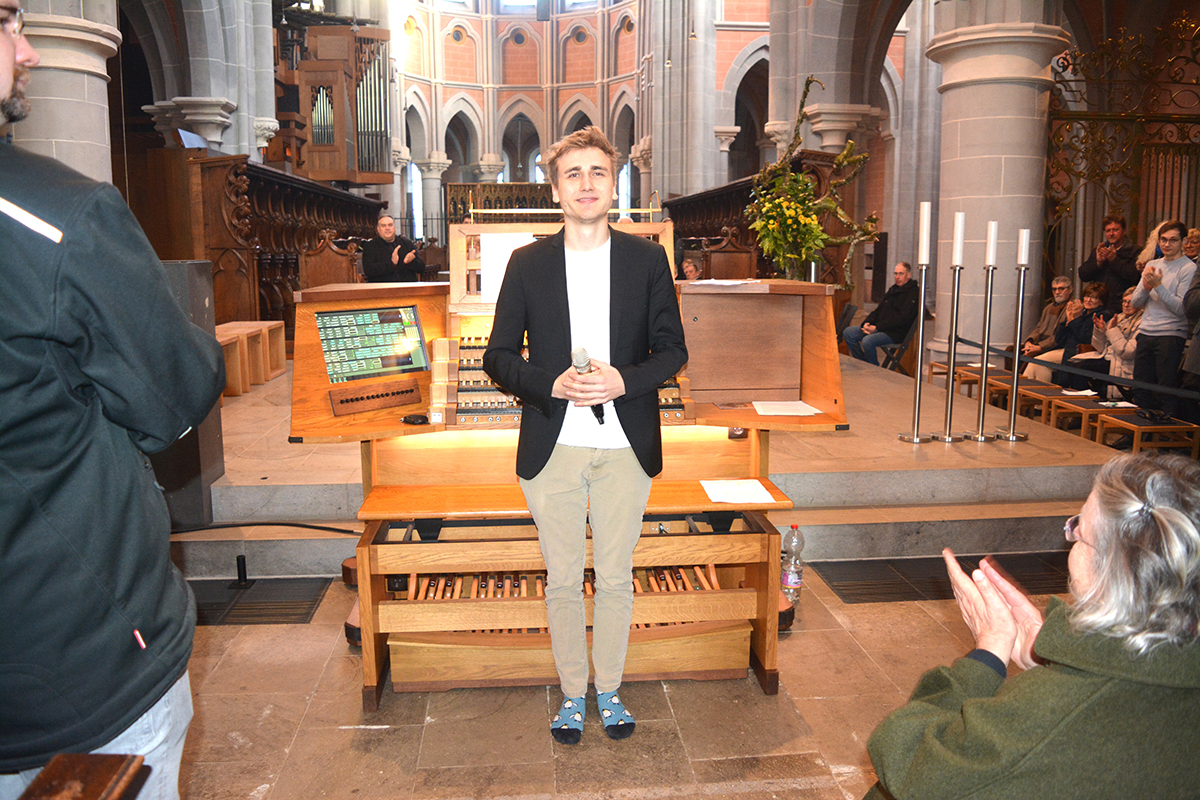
(371, 343)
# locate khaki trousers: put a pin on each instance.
(610, 488)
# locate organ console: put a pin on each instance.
(443, 509)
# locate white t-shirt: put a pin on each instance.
(588, 302)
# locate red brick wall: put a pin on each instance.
(579, 61)
(519, 63)
(460, 59)
(747, 10)
(896, 54)
(626, 52)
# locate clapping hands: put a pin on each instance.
(1001, 618)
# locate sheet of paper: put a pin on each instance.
(1118, 404)
(747, 491)
(716, 282)
(784, 408)
(494, 252)
(1079, 393)
(1090, 355)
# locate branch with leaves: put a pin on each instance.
(785, 213)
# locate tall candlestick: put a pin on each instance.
(993, 230)
(1023, 246)
(923, 242)
(960, 229)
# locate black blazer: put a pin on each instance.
(647, 345)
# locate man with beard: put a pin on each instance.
(98, 367)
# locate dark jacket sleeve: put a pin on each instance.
(503, 360)
(155, 373)
(664, 330)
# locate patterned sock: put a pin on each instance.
(618, 722)
(567, 725)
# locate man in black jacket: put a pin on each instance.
(1113, 263)
(389, 258)
(889, 322)
(98, 367)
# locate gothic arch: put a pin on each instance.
(465, 105)
(614, 48)
(623, 127)
(161, 48)
(572, 109)
(745, 61)
(417, 120)
(521, 104)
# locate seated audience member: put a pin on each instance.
(1075, 329)
(1191, 245)
(1040, 342)
(890, 321)
(1164, 328)
(689, 270)
(1108, 702)
(390, 258)
(1113, 262)
(1117, 340)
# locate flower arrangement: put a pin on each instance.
(785, 212)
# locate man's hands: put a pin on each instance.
(1000, 616)
(1105, 253)
(601, 384)
(868, 328)
(1030, 349)
(408, 259)
(1151, 278)
(1074, 309)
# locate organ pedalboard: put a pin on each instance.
(463, 396)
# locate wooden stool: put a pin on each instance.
(1000, 388)
(273, 343)
(1151, 435)
(1087, 409)
(1037, 400)
(231, 347)
(252, 352)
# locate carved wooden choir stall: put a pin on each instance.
(449, 570)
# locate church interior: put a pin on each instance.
(257, 141)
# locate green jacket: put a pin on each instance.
(1096, 722)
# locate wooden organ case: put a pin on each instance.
(449, 569)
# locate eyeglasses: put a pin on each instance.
(1060, 288)
(1169, 239)
(14, 23)
(1071, 529)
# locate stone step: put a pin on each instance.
(271, 551)
(923, 530)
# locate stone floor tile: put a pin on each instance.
(350, 764)
(272, 658)
(245, 727)
(878, 626)
(724, 719)
(842, 725)
(828, 664)
(225, 780)
(905, 665)
(482, 727)
(855, 783)
(813, 615)
(335, 606)
(947, 614)
(213, 640)
(199, 668)
(653, 757)
(501, 780)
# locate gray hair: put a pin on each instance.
(1147, 553)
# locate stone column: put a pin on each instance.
(433, 210)
(68, 90)
(995, 93)
(641, 155)
(725, 136)
(398, 203)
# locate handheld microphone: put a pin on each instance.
(583, 364)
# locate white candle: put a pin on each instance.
(923, 242)
(960, 229)
(993, 230)
(1023, 246)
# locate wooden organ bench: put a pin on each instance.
(449, 569)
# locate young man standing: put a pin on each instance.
(1164, 329)
(590, 441)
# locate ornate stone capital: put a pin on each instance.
(401, 155)
(433, 167)
(641, 154)
(779, 132)
(264, 130)
(725, 135)
(72, 44)
(206, 116)
(834, 122)
(167, 117)
(488, 168)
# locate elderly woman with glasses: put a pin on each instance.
(1108, 702)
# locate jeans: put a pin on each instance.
(1156, 360)
(610, 488)
(862, 344)
(157, 735)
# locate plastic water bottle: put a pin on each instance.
(791, 570)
